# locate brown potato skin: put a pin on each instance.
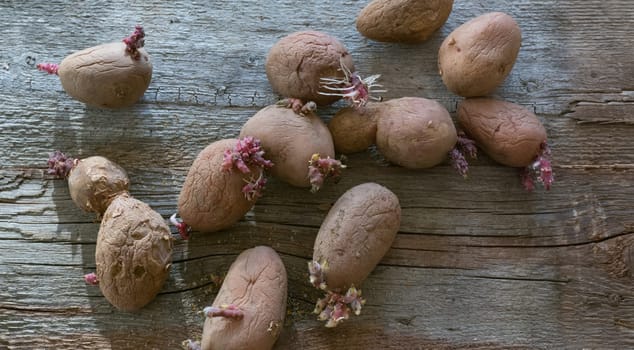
(507, 132)
(134, 253)
(355, 235)
(289, 141)
(404, 21)
(95, 181)
(257, 284)
(106, 76)
(296, 62)
(354, 129)
(415, 132)
(211, 199)
(477, 56)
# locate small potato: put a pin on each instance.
(355, 235)
(406, 21)
(353, 129)
(297, 62)
(93, 183)
(212, 199)
(415, 132)
(290, 140)
(508, 133)
(133, 254)
(249, 310)
(477, 56)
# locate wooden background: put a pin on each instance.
(478, 263)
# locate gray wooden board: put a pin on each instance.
(478, 263)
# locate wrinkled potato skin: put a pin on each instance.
(289, 141)
(477, 56)
(415, 132)
(507, 132)
(106, 76)
(134, 253)
(296, 62)
(354, 129)
(95, 181)
(211, 199)
(257, 284)
(404, 21)
(355, 235)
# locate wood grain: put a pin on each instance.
(477, 264)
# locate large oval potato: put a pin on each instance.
(297, 62)
(507, 132)
(257, 285)
(133, 254)
(94, 181)
(353, 129)
(289, 141)
(106, 75)
(212, 199)
(407, 21)
(477, 56)
(415, 132)
(355, 235)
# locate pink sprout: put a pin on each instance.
(254, 187)
(464, 145)
(134, 42)
(183, 228)
(247, 152)
(356, 90)
(298, 106)
(60, 165)
(319, 169)
(91, 279)
(50, 68)
(335, 307)
(229, 311)
(191, 345)
(540, 170)
(316, 274)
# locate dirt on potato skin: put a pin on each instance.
(257, 284)
(133, 253)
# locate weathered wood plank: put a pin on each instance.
(478, 263)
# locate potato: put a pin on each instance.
(93, 183)
(508, 133)
(355, 235)
(477, 56)
(415, 132)
(297, 62)
(211, 198)
(255, 288)
(353, 129)
(133, 254)
(290, 140)
(105, 76)
(407, 21)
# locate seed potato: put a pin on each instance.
(477, 56)
(406, 21)
(353, 129)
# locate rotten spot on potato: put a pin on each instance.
(352, 87)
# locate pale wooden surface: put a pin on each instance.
(477, 263)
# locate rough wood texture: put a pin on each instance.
(477, 263)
